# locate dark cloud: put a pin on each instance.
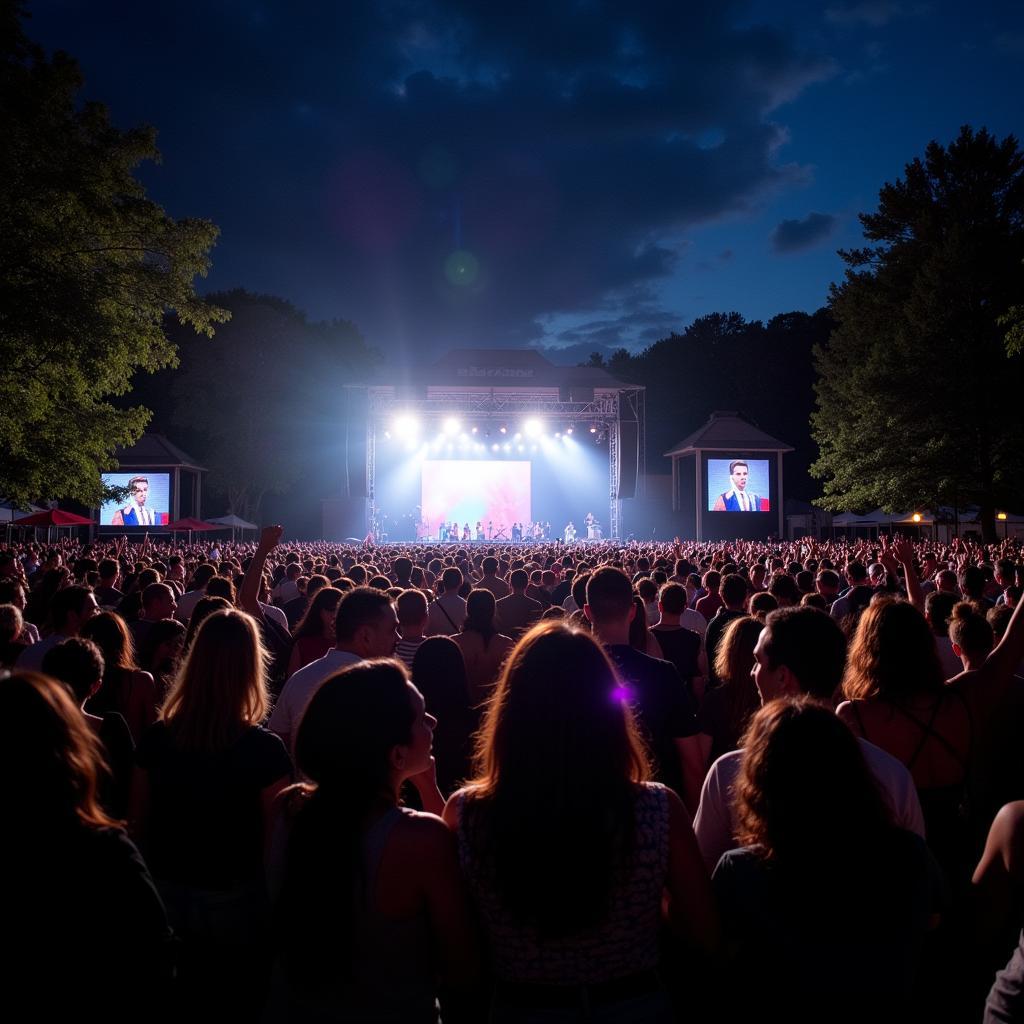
(448, 173)
(794, 235)
(869, 13)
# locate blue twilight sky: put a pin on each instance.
(571, 175)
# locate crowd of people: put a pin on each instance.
(518, 783)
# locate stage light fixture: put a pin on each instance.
(473, 431)
(521, 448)
(405, 425)
(558, 433)
(508, 447)
(572, 427)
(495, 447)
(593, 429)
(518, 437)
(503, 429)
(452, 426)
(533, 427)
(387, 435)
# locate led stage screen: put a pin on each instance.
(738, 485)
(472, 491)
(148, 504)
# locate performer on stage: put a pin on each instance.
(479, 530)
(490, 530)
(466, 535)
(570, 532)
(517, 533)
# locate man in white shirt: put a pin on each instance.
(365, 626)
(135, 513)
(800, 651)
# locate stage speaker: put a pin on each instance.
(357, 407)
(629, 455)
(575, 394)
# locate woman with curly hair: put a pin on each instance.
(827, 903)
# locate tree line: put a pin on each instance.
(902, 392)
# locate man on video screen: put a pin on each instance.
(135, 512)
(738, 498)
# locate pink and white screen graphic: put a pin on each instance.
(472, 491)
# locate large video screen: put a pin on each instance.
(493, 493)
(148, 502)
(738, 485)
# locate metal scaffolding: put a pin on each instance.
(490, 406)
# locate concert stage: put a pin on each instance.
(490, 439)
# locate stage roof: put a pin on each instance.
(728, 431)
(502, 368)
(153, 451)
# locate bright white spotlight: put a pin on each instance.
(495, 447)
(405, 425)
(571, 429)
(533, 447)
(521, 448)
(558, 433)
(452, 426)
(503, 429)
(518, 436)
(533, 427)
(474, 430)
(593, 429)
(508, 447)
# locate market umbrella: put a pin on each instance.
(191, 525)
(233, 522)
(53, 517)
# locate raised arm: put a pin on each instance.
(903, 549)
(248, 595)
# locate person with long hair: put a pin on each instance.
(80, 907)
(314, 632)
(826, 904)
(208, 773)
(897, 699)
(126, 688)
(439, 673)
(568, 849)
(483, 648)
(371, 915)
(727, 707)
(159, 653)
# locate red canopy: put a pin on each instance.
(191, 525)
(53, 517)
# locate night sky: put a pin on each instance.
(575, 176)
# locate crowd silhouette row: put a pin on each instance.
(651, 782)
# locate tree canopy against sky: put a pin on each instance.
(88, 268)
(918, 394)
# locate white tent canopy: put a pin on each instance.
(234, 522)
(880, 518)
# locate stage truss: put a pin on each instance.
(605, 409)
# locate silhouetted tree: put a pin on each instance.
(917, 396)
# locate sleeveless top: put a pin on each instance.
(624, 944)
(946, 809)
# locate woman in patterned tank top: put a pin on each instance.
(567, 848)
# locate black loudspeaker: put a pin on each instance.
(567, 393)
(357, 407)
(629, 456)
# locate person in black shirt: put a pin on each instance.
(665, 714)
